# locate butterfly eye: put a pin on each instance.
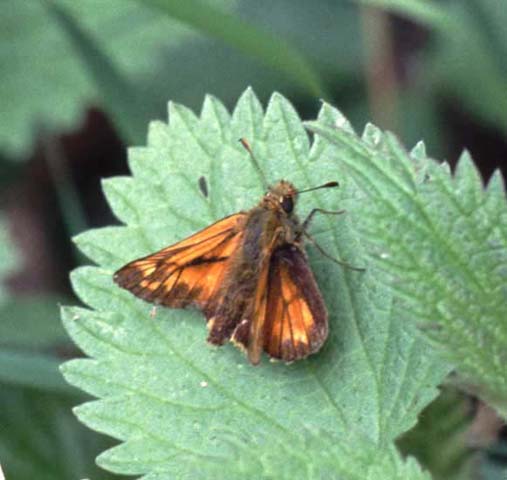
(287, 203)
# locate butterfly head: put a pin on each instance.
(281, 196)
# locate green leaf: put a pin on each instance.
(180, 405)
(477, 79)
(96, 53)
(119, 97)
(45, 82)
(31, 322)
(270, 49)
(32, 370)
(441, 241)
(41, 438)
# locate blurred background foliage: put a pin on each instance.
(81, 81)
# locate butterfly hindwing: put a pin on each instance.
(189, 272)
(296, 316)
(290, 309)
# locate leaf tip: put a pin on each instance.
(249, 97)
(372, 135)
(419, 151)
(496, 183)
(466, 170)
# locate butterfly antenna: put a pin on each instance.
(326, 185)
(256, 164)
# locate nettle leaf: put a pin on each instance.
(182, 406)
(120, 55)
(441, 241)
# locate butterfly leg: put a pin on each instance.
(336, 260)
(308, 219)
(302, 229)
(304, 232)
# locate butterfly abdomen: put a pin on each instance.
(237, 296)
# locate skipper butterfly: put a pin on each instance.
(248, 273)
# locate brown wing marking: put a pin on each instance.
(296, 316)
(188, 272)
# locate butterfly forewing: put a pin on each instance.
(189, 272)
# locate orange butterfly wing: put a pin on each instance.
(189, 272)
(289, 317)
(296, 316)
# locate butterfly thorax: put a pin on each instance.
(267, 227)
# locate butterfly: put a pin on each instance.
(248, 273)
